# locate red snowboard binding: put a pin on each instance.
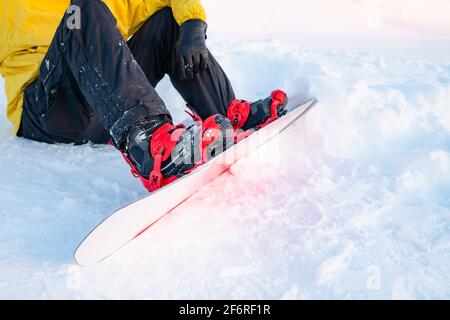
(247, 117)
(159, 152)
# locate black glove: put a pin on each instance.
(191, 55)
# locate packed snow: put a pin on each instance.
(351, 202)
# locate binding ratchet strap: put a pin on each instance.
(238, 113)
(163, 141)
(211, 130)
(278, 98)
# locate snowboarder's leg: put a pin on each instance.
(111, 85)
(61, 116)
(209, 93)
(157, 151)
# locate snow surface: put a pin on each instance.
(353, 202)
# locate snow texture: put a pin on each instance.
(352, 202)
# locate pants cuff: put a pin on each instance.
(129, 119)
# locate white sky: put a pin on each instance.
(386, 25)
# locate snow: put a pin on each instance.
(353, 202)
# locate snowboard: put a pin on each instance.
(128, 223)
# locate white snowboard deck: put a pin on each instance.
(124, 225)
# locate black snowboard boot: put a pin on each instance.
(159, 152)
(245, 115)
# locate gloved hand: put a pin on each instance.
(191, 55)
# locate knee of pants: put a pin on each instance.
(166, 15)
(162, 26)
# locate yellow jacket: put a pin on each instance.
(27, 28)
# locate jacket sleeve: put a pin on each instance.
(184, 10)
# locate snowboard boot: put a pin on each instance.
(248, 117)
(160, 153)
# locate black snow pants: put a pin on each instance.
(93, 85)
